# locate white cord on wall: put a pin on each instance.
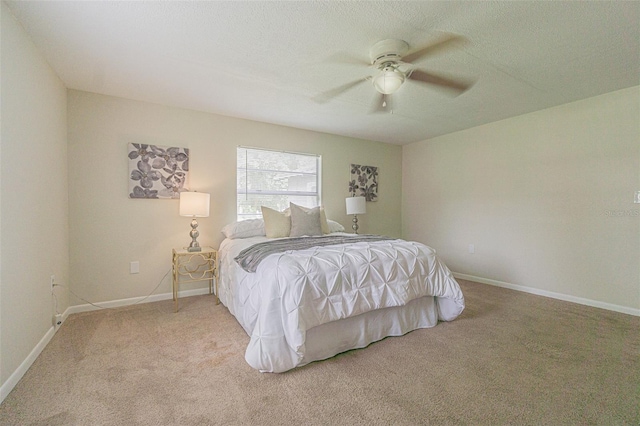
(105, 307)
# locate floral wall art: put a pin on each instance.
(157, 171)
(364, 182)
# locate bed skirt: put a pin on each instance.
(327, 340)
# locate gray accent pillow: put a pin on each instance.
(305, 221)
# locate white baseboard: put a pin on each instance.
(553, 295)
(126, 302)
(13, 380)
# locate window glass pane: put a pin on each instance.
(273, 179)
(242, 180)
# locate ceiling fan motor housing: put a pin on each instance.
(390, 50)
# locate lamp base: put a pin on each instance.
(355, 224)
(194, 246)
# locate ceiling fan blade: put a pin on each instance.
(446, 41)
(453, 85)
(329, 94)
(381, 103)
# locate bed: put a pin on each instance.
(314, 302)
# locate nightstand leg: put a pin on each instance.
(217, 297)
(175, 285)
(175, 302)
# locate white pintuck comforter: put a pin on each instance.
(294, 291)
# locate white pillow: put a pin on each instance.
(304, 221)
(334, 226)
(244, 229)
(276, 224)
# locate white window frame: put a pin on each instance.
(240, 192)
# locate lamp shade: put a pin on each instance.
(194, 204)
(356, 205)
(388, 81)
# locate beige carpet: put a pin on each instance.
(511, 358)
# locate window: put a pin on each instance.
(275, 178)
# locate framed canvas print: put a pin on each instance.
(157, 171)
(364, 182)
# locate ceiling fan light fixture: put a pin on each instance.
(388, 81)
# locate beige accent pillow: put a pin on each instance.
(324, 224)
(276, 224)
(304, 221)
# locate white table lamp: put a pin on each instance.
(194, 204)
(356, 206)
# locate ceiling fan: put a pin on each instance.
(393, 67)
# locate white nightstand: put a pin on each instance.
(195, 266)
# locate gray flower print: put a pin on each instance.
(143, 193)
(353, 187)
(170, 157)
(145, 175)
(143, 151)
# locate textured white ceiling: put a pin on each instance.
(266, 61)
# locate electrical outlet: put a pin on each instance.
(53, 282)
(134, 267)
(57, 320)
(472, 248)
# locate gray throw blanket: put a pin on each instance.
(250, 258)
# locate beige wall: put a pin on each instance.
(546, 198)
(33, 179)
(108, 230)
